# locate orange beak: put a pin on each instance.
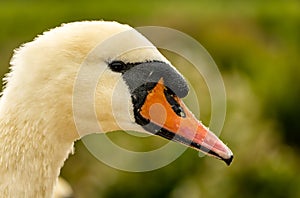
(179, 124)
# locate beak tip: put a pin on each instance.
(228, 160)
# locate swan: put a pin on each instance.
(37, 127)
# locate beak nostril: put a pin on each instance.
(172, 100)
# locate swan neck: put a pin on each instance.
(31, 157)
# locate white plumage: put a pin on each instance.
(37, 130)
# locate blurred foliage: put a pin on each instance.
(256, 46)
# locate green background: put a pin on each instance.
(256, 46)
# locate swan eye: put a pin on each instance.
(118, 66)
(171, 98)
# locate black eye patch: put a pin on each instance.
(140, 73)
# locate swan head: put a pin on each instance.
(107, 73)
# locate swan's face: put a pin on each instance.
(147, 96)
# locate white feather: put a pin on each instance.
(37, 129)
